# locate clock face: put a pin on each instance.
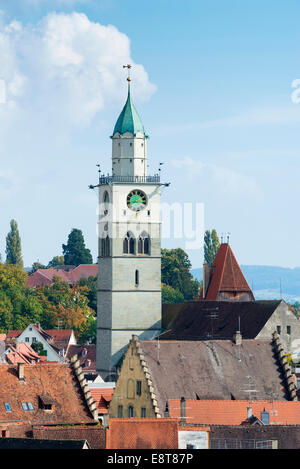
(136, 200)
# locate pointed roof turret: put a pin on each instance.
(226, 279)
(129, 120)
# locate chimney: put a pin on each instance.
(237, 338)
(21, 375)
(249, 413)
(205, 278)
(182, 411)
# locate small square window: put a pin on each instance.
(33, 339)
(30, 406)
(7, 407)
(26, 339)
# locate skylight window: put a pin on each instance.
(7, 407)
(27, 406)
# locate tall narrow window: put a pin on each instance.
(107, 246)
(144, 244)
(106, 202)
(137, 279)
(143, 412)
(139, 388)
(129, 244)
(130, 412)
(120, 411)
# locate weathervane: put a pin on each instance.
(128, 66)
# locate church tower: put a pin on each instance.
(129, 288)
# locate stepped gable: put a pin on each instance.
(214, 370)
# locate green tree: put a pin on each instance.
(38, 348)
(91, 284)
(175, 270)
(211, 246)
(75, 252)
(57, 260)
(170, 295)
(36, 266)
(13, 245)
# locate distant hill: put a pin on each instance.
(265, 281)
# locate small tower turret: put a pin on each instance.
(129, 141)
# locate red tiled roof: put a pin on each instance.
(225, 275)
(55, 383)
(83, 271)
(136, 433)
(207, 412)
(102, 398)
(46, 276)
(22, 353)
(94, 435)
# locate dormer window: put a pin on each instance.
(45, 403)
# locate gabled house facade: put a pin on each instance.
(34, 333)
(155, 371)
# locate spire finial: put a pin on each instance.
(128, 66)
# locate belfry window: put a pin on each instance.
(105, 247)
(144, 244)
(129, 244)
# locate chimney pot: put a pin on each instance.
(237, 338)
(182, 410)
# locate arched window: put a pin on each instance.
(137, 277)
(144, 244)
(129, 243)
(105, 247)
(130, 411)
(106, 202)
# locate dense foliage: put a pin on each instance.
(175, 272)
(75, 252)
(51, 306)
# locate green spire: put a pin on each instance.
(129, 120)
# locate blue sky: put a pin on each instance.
(212, 81)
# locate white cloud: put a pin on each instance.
(66, 69)
(220, 178)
